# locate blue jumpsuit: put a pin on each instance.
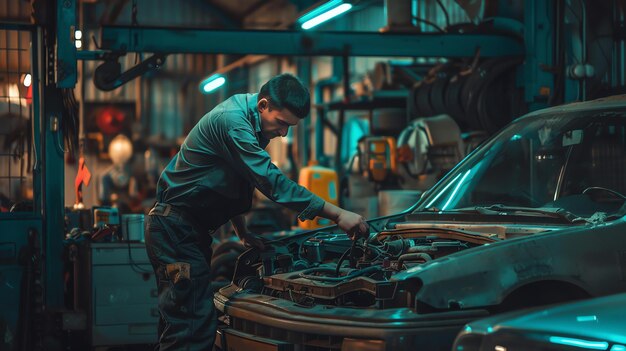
(208, 182)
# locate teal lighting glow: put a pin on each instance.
(332, 190)
(456, 189)
(586, 318)
(213, 82)
(442, 191)
(617, 347)
(585, 344)
(516, 137)
(323, 13)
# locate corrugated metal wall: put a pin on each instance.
(184, 13)
(15, 11)
(169, 102)
(429, 9)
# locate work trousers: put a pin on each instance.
(181, 259)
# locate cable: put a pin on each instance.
(445, 12)
(69, 120)
(429, 23)
(343, 257)
(134, 23)
(134, 266)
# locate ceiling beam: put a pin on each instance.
(298, 43)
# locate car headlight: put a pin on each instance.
(468, 342)
(363, 345)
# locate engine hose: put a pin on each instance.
(353, 274)
(343, 257)
(413, 257)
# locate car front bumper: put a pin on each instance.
(259, 322)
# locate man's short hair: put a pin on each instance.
(287, 91)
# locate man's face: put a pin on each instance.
(274, 122)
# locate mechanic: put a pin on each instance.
(211, 181)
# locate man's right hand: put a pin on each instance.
(353, 224)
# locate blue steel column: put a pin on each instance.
(53, 196)
(66, 66)
(53, 150)
(539, 43)
(320, 157)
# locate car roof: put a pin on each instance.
(615, 102)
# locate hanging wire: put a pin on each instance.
(432, 24)
(134, 23)
(445, 13)
(69, 121)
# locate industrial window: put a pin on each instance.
(17, 155)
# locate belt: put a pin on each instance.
(167, 210)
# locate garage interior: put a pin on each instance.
(96, 97)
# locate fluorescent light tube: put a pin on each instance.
(212, 83)
(323, 13)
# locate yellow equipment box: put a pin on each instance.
(322, 182)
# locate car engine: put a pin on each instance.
(331, 269)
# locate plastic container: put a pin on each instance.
(324, 183)
(132, 227)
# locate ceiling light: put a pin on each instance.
(323, 13)
(213, 82)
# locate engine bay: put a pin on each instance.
(331, 269)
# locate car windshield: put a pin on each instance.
(570, 161)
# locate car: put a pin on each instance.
(533, 216)
(594, 324)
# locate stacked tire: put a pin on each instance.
(485, 97)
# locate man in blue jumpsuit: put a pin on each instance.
(211, 181)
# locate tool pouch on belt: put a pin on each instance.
(180, 276)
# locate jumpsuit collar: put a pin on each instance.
(255, 118)
(254, 112)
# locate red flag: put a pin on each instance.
(82, 177)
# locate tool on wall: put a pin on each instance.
(430, 145)
(377, 157)
(109, 75)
